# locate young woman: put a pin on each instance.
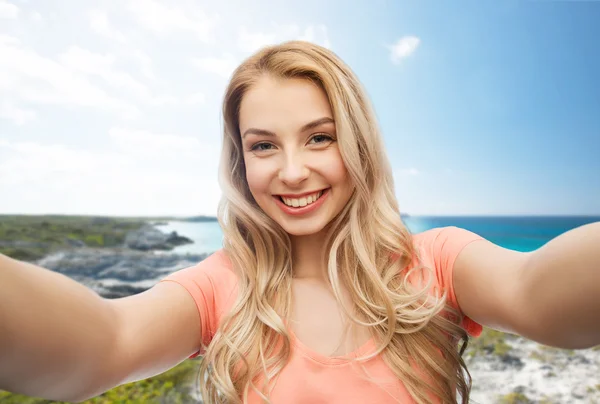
(320, 294)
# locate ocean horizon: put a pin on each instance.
(520, 233)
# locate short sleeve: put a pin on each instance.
(443, 245)
(212, 285)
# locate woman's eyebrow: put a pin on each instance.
(308, 126)
(260, 132)
(318, 122)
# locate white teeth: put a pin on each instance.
(307, 200)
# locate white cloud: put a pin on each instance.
(8, 10)
(143, 174)
(195, 99)
(15, 114)
(149, 145)
(28, 162)
(223, 66)
(165, 20)
(71, 79)
(82, 60)
(317, 34)
(145, 63)
(252, 41)
(36, 16)
(30, 77)
(403, 48)
(99, 24)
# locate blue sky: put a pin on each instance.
(112, 107)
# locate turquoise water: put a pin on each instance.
(521, 233)
(207, 236)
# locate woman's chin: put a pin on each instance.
(302, 229)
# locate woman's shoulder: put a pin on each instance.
(439, 249)
(444, 240)
(216, 266)
(213, 276)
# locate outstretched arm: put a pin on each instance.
(551, 295)
(562, 286)
(53, 332)
(60, 340)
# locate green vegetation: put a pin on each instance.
(514, 398)
(490, 342)
(537, 355)
(199, 219)
(554, 350)
(171, 387)
(37, 236)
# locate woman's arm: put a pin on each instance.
(551, 295)
(562, 288)
(54, 332)
(60, 340)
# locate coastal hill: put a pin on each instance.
(29, 237)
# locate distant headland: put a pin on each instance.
(198, 219)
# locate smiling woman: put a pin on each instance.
(314, 244)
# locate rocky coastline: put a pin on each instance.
(132, 268)
(513, 370)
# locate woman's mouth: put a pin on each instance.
(300, 202)
(302, 205)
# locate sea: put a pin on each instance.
(520, 233)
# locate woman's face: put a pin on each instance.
(293, 165)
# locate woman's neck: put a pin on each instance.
(306, 256)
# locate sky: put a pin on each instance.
(112, 107)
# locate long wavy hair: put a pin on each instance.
(369, 253)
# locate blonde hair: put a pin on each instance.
(369, 252)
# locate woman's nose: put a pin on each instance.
(293, 170)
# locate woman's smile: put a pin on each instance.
(302, 205)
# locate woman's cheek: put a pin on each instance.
(334, 166)
(256, 178)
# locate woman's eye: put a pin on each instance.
(261, 147)
(321, 138)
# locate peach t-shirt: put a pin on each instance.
(310, 377)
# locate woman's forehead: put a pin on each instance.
(282, 103)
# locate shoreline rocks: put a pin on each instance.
(115, 272)
(533, 373)
(149, 237)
